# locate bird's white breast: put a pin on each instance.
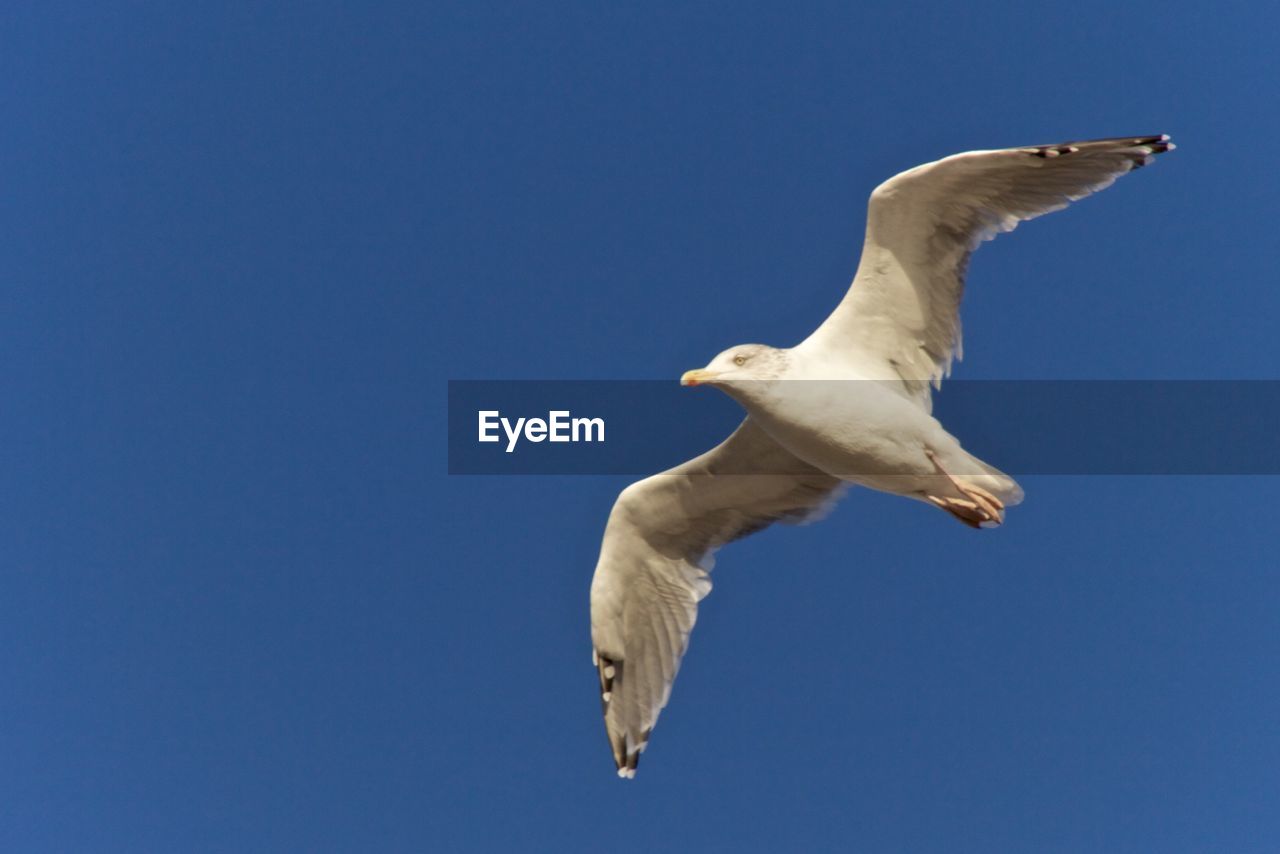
(862, 430)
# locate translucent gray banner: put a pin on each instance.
(1022, 427)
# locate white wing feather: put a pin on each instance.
(655, 562)
(900, 319)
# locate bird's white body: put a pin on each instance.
(866, 432)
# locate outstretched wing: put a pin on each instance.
(656, 557)
(900, 318)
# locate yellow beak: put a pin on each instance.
(698, 377)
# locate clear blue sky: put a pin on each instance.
(243, 608)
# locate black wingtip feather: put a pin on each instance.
(1139, 149)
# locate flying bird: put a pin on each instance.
(851, 404)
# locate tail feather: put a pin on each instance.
(993, 480)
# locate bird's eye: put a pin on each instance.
(739, 360)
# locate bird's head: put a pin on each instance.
(744, 363)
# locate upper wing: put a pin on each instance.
(655, 560)
(900, 318)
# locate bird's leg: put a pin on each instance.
(965, 511)
(981, 506)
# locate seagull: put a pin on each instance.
(850, 404)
